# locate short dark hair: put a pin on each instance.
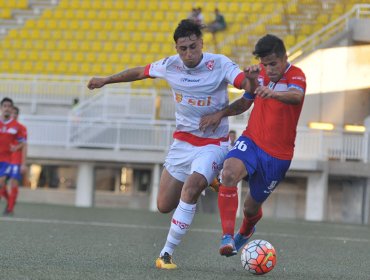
(186, 28)
(269, 44)
(6, 99)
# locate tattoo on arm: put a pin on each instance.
(236, 108)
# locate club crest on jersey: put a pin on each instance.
(216, 167)
(210, 64)
(178, 97)
(260, 81)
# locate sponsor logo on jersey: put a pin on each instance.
(186, 80)
(210, 64)
(300, 78)
(178, 97)
(199, 101)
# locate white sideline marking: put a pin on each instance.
(115, 225)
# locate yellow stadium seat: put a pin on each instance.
(27, 66)
(108, 46)
(142, 47)
(79, 56)
(102, 57)
(50, 67)
(73, 68)
(85, 68)
(62, 67)
(141, 26)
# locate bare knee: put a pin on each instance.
(229, 177)
(251, 207)
(165, 207)
(250, 211)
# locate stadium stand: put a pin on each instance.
(100, 37)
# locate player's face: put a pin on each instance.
(275, 66)
(190, 50)
(6, 109)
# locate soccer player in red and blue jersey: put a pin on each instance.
(263, 153)
(17, 165)
(11, 132)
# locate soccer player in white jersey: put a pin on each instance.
(199, 85)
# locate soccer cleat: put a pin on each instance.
(240, 240)
(215, 185)
(7, 212)
(165, 262)
(227, 247)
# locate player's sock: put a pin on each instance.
(249, 223)
(228, 205)
(180, 223)
(12, 199)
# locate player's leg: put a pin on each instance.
(167, 200)
(169, 192)
(252, 214)
(233, 171)
(203, 168)
(14, 178)
(268, 174)
(3, 188)
(4, 172)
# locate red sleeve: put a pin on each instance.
(146, 71)
(296, 78)
(238, 80)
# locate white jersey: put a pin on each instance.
(198, 91)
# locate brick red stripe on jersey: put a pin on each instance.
(198, 141)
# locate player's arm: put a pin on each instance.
(236, 108)
(128, 75)
(250, 83)
(14, 148)
(24, 156)
(293, 96)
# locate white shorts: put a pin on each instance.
(183, 159)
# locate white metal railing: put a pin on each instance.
(157, 135)
(335, 27)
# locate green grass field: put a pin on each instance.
(57, 242)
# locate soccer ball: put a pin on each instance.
(258, 257)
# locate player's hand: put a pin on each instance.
(252, 72)
(23, 169)
(264, 92)
(210, 121)
(13, 148)
(96, 82)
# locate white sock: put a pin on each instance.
(180, 223)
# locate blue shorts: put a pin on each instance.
(264, 171)
(4, 169)
(15, 172)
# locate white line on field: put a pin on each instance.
(116, 225)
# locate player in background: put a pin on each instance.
(232, 138)
(199, 85)
(11, 132)
(18, 166)
(264, 151)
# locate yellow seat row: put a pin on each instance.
(18, 4)
(88, 46)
